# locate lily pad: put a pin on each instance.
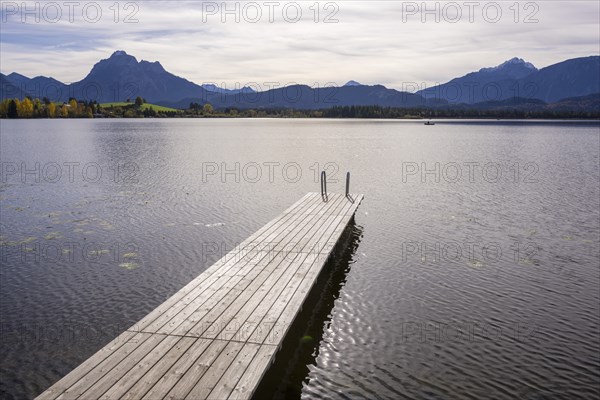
(98, 252)
(129, 265)
(53, 235)
(530, 261)
(105, 223)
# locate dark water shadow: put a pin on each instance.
(300, 348)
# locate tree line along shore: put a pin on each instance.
(139, 108)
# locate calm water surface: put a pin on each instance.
(473, 269)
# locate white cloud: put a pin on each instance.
(371, 43)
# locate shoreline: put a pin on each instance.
(437, 120)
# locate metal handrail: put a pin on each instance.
(347, 183)
(324, 194)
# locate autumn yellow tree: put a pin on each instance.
(207, 108)
(64, 111)
(4, 108)
(73, 108)
(51, 110)
(25, 108)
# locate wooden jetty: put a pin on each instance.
(217, 336)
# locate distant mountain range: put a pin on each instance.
(571, 84)
(518, 78)
(211, 87)
(304, 97)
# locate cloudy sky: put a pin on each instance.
(393, 43)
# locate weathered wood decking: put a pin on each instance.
(218, 335)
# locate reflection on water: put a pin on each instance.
(477, 275)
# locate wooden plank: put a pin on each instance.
(318, 207)
(264, 297)
(258, 329)
(246, 323)
(231, 302)
(200, 377)
(183, 326)
(253, 292)
(126, 380)
(326, 221)
(341, 220)
(242, 307)
(245, 387)
(174, 374)
(192, 325)
(113, 375)
(316, 246)
(158, 371)
(199, 368)
(277, 324)
(349, 213)
(227, 325)
(188, 301)
(316, 220)
(280, 322)
(231, 376)
(283, 323)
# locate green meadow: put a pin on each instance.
(143, 107)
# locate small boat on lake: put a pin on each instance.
(429, 123)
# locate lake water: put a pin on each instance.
(472, 270)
